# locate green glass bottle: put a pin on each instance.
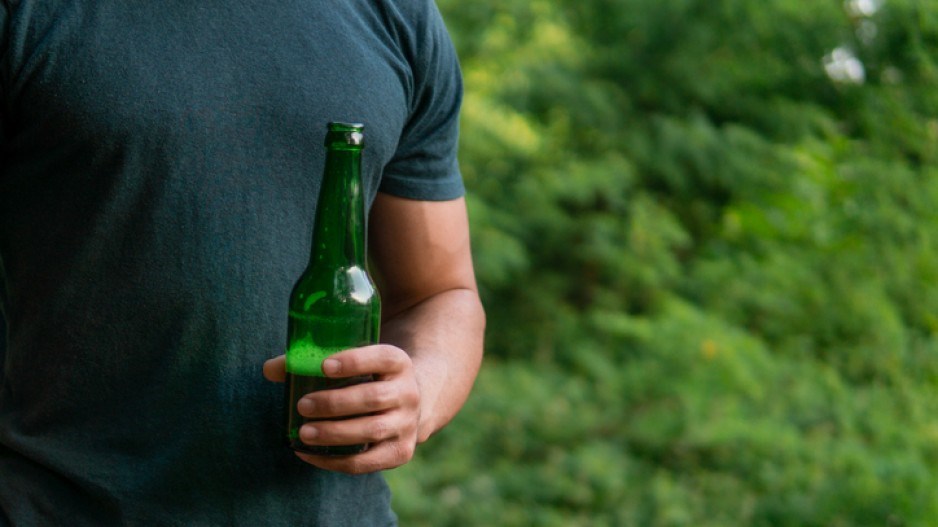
(334, 304)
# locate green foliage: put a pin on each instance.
(709, 254)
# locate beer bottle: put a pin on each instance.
(334, 304)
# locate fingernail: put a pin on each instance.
(331, 366)
(305, 406)
(308, 433)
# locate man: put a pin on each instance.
(160, 162)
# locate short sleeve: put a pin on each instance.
(425, 165)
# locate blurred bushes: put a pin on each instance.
(710, 264)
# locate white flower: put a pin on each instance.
(842, 65)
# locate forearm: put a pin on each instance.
(444, 337)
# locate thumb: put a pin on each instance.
(275, 369)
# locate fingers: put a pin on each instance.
(381, 456)
(370, 360)
(392, 436)
(365, 398)
(275, 369)
(368, 429)
(387, 410)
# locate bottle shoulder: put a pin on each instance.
(343, 288)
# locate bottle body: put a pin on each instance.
(348, 316)
(334, 304)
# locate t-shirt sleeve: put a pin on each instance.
(425, 164)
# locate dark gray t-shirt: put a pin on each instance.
(160, 162)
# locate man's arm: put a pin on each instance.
(431, 304)
(432, 332)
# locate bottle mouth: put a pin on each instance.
(345, 134)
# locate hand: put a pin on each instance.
(389, 409)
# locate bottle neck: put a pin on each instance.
(339, 231)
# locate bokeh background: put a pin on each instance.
(706, 232)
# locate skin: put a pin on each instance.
(431, 341)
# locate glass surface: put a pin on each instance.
(334, 304)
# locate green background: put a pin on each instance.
(706, 233)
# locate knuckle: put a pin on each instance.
(393, 356)
(412, 394)
(408, 395)
(381, 395)
(379, 430)
(402, 452)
